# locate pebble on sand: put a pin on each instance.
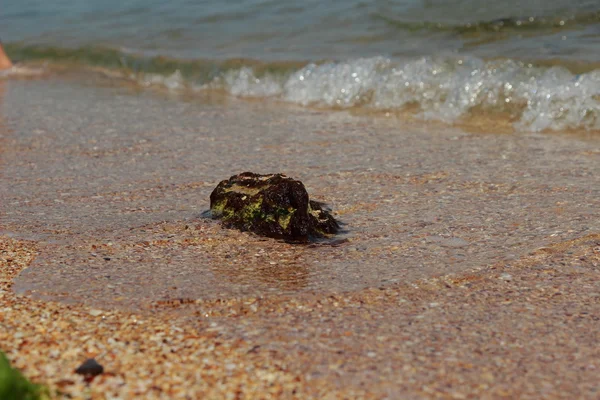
(90, 368)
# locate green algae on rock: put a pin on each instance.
(271, 205)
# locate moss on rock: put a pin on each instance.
(271, 205)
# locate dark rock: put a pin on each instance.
(271, 205)
(90, 369)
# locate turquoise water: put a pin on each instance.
(313, 30)
(533, 61)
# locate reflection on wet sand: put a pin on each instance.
(276, 266)
(171, 261)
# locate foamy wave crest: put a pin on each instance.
(442, 89)
(244, 83)
(175, 81)
(434, 88)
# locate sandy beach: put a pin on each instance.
(469, 269)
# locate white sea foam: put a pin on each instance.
(442, 89)
(175, 81)
(244, 83)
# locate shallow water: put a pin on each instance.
(113, 184)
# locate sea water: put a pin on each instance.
(532, 62)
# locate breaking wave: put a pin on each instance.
(536, 99)
(533, 98)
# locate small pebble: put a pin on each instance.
(90, 369)
(505, 277)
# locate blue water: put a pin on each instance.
(311, 30)
(534, 61)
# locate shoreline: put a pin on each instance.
(504, 332)
(479, 119)
(470, 266)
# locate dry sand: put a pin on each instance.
(470, 270)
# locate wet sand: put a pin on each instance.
(441, 289)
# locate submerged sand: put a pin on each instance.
(470, 269)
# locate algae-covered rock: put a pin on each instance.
(270, 205)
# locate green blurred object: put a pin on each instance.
(14, 386)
